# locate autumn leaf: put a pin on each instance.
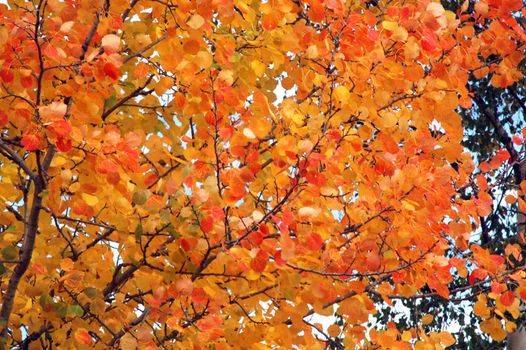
(31, 142)
(82, 336)
(493, 327)
(110, 43)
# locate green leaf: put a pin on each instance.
(75, 310)
(61, 309)
(140, 197)
(92, 293)
(10, 253)
(47, 303)
(138, 233)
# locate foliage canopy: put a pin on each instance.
(210, 174)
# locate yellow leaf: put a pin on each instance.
(66, 264)
(399, 34)
(196, 22)
(406, 336)
(90, 199)
(409, 204)
(298, 119)
(204, 59)
(341, 93)
(389, 25)
(9, 237)
(427, 319)
(58, 161)
(258, 68)
(480, 308)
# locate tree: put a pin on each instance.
(495, 121)
(160, 190)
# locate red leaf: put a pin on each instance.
(373, 261)
(188, 181)
(497, 260)
(27, 82)
(314, 241)
(150, 179)
(199, 296)
(496, 288)
(507, 298)
(6, 75)
(209, 322)
(399, 276)
(517, 140)
(63, 144)
(31, 142)
(501, 156)
(113, 178)
(456, 262)
(3, 119)
(278, 259)
(477, 274)
(116, 22)
(259, 263)
(429, 42)
(256, 238)
(81, 208)
(60, 127)
(187, 243)
(111, 71)
(207, 224)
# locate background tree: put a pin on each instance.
(494, 122)
(157, 193)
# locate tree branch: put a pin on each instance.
(13, 156)
(26, 252)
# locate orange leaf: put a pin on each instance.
(494, 328)
(191, 46)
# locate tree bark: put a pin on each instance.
(28, 244)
